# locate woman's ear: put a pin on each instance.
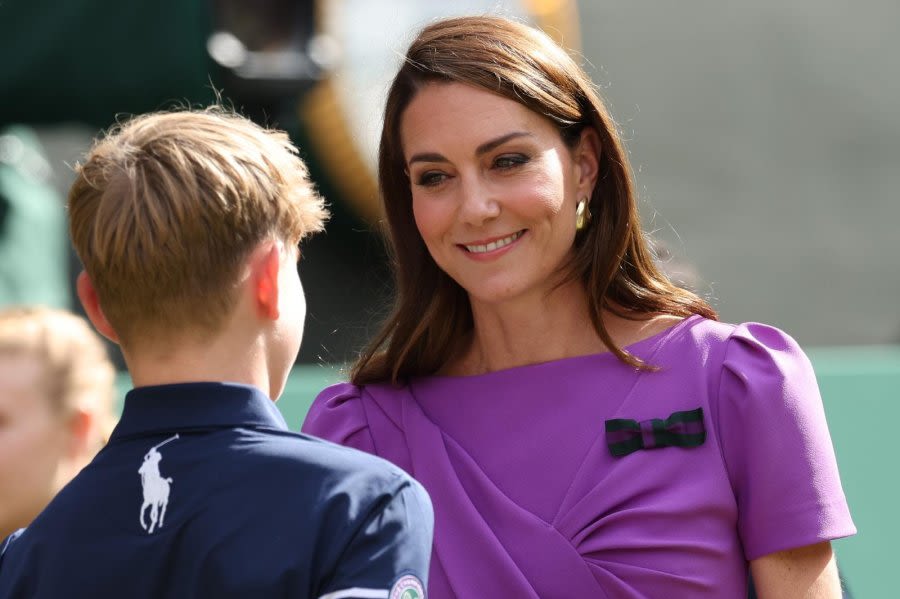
(587, 161)
(87, 294)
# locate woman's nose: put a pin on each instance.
(478, 203)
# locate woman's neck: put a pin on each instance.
(529, 330)
(546, 328)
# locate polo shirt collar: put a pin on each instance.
(196, 406)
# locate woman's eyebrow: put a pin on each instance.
(499, 141)
(427, 157)
(480, 150)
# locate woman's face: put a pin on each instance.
(494, 189)
(34, 439)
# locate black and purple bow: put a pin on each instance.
(681, 429)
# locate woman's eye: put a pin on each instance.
(430, 179)
(510, 161)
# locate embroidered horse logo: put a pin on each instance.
(156, 488)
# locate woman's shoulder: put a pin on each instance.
(768, 410)
(335, 413)
(339, 394)
(749, 365)
(754, 345)
(736, 339)
(342, 411)
(753, 352)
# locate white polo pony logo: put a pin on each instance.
(156, 488)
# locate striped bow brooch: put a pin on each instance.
(681, 429)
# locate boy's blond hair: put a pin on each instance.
(76, 373)
(166, 207)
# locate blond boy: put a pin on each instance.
(188, 225)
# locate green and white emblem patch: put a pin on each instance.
(408, 587)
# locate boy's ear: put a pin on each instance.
(266, 269)
(91, 303)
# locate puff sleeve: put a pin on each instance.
(337, 415)
(776, 445)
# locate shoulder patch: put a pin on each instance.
(408, 587)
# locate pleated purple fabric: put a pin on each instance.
(530, 502)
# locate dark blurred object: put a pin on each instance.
(91, 60)
(268, 51)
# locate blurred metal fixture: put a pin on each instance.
(268, 50)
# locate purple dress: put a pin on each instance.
(534, 495)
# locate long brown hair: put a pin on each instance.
(432, 318)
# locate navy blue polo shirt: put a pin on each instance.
(203, 492)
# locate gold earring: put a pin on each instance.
(582, 215)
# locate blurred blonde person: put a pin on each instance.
(56, 400)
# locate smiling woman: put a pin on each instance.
(584, 426)
(495, 204)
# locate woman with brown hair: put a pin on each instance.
(585, 427)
